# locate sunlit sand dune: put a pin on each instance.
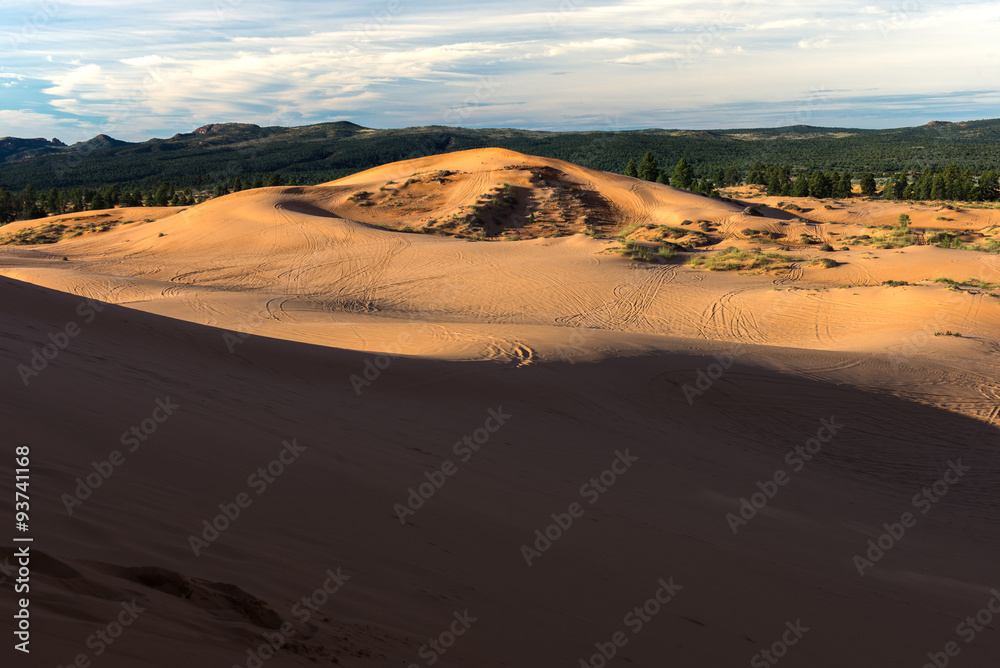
(591, 427)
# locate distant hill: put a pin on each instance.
(13, 148)
(100, 141)
(220, 152)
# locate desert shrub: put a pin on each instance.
(734, 259)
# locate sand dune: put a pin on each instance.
(283, 328)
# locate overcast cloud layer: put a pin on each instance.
(133, 70)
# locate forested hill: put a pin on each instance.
(219, 153)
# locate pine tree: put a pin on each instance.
(820, 185)
(845, 186)
(275, 180)
(868, 185)
(774, 187)
(988, 188)
(683, 175)
(800, 187)
(899, 185)
(756, 174)
(631, 169)
(967, 185)
(785, 176)
(29, 204)
(887, 192)
(238, 185)
(731, 178)
(98, 202)
(952, 182)
(922, 186)
(663, 178)
(6, 207)
(162, 195)
(939, 188)
(649, 168)
(76, 200)
(54, 202)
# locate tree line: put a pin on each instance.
(948, 184)
(30, 204)
(325, 152)
(951, 183)
(682, 176)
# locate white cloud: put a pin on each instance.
(314, 60)
(815, 43)
(781, 24)
(142, 61)
(648, 58)
(27, 123)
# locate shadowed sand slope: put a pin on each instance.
(682, 466)
(277, 416)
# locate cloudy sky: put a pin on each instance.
(75, 68)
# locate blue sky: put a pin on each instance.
(134, 70)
